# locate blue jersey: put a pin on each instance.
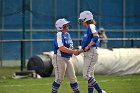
(62, 39)
(88, 36)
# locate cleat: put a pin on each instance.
(104, 91)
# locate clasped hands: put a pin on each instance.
(77, 52)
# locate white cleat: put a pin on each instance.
(104, 91)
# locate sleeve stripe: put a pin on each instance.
(92, 27)
(59, 39)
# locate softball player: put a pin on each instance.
(63, 50)
(90, 43)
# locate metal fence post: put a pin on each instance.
(1, 33)
(23, 36)
(124, 22)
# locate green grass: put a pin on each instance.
(112, 84)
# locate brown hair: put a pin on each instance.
(91, 22)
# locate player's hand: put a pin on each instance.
(76, 52)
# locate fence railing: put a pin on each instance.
(22, 55)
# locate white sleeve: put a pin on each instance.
(59, 39)
(92, 27)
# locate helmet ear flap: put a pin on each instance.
(60, 28)
(80, 21)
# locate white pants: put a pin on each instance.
(90, 59)
(63, 66)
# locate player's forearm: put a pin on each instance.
(66, 50)
(91, 44)
(94, 40)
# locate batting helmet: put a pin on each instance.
(60, 22)
(85, 16)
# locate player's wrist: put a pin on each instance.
(88, 46)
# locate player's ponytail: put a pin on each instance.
(91, 22)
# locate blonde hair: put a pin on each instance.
(91, 22)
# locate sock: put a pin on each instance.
(75, 87)
(55, 87)
(97, 87)
(94, 84)
(90, 87)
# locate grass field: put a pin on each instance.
(112, 84)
